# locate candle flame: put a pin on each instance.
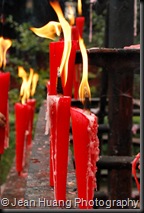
(34, 83)
(28, 85)
(84, 89)
(4, 46)
(50, 30)
(70, 15)
(29, 82)
(67, 39)
(23, 94)
(79, 6)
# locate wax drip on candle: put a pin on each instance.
(59, 84)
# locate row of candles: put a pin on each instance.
(5, 44)
(24, 115)
(24, 112)
(60, 114)
(63, 73)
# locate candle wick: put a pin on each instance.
(59, 84)
(86, 102)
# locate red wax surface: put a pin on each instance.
(21, 123)
(32, 103)
(59, 115)
(86, 153)
(56, 51)
(4, 88)
(80, 25)
(71, 67)
(75, 33)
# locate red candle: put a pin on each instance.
(86, 152)
(75, 33)
(4, 88)
(59, 115)
(22, 112)
(56, 51)
(80, 25)
(71, 66)
(32, 103)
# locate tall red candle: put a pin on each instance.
(59, 115)
(22, 112)
(86, 153)
(80, 24)
(56, 51)
(75, 34)
(4, 88)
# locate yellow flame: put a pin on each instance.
(71, 15)
(34, 83)
(67, 39)
(84, 89)
(79, 5)
(4, 46)
(28, 85)
(29, 82)
(22, 73)
(50, 30)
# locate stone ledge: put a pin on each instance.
(37, 186)
(14, 187)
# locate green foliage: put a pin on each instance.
(29, 51)
(25, 46)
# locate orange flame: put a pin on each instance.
(49, 30)
(4, 46)
(79, 5)
(26, 90)
(70, 15)
(84, 89)
(67, 39)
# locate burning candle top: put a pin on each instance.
(50, 31)
(80, 19)
(86, 143)
(29, 84)
(4, 88)
(24, 115)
